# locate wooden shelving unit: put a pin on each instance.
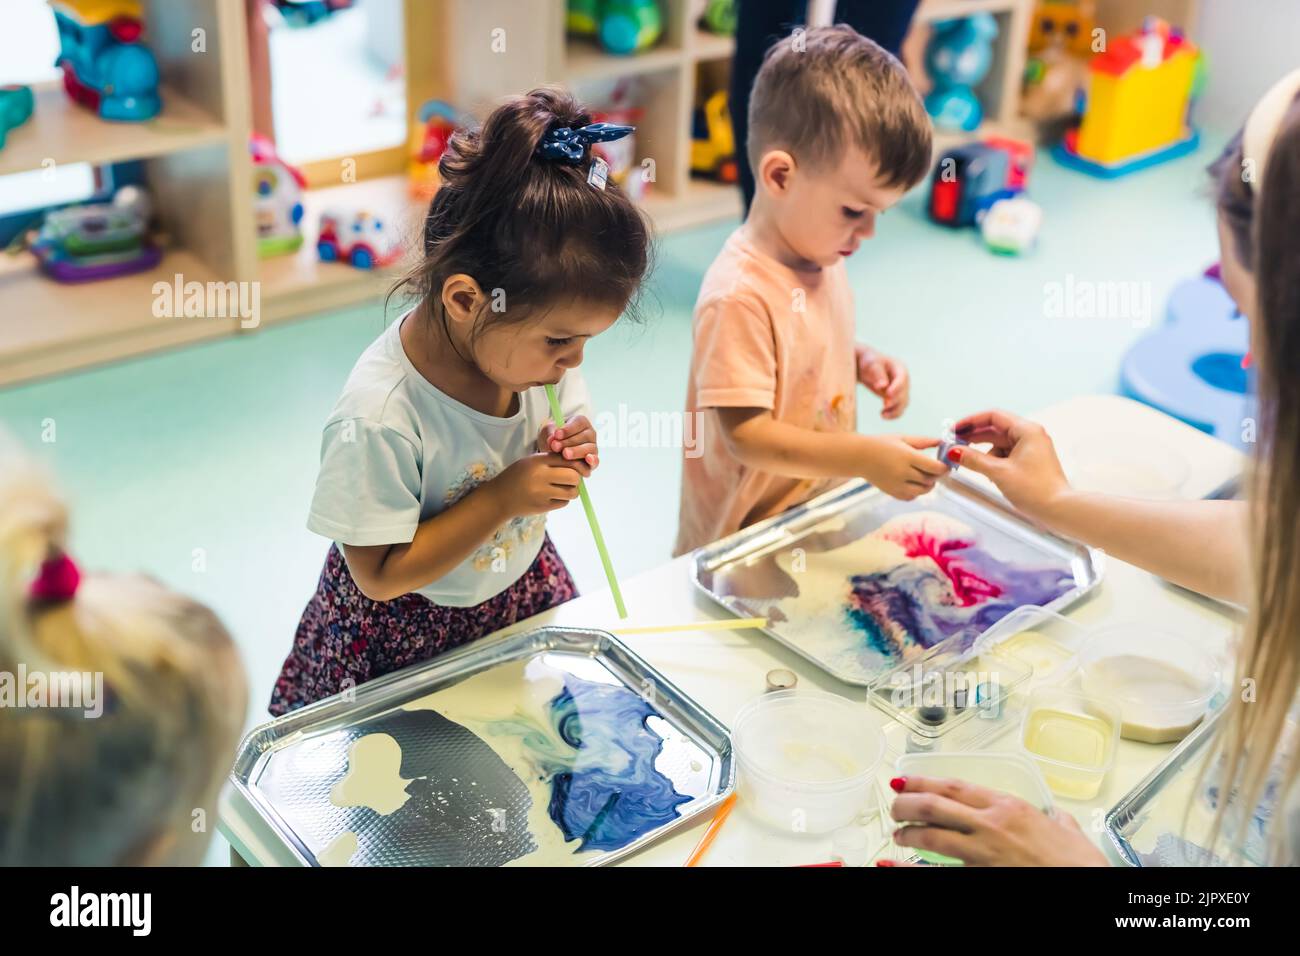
(470, 52)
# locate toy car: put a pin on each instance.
(713, 144)
(15, 108)
(105, 66)
(357, 237)
(969, 179)
(277, 200)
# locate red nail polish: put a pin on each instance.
(1246, 360)
(886, 863)
(954, 455)
(897, 784)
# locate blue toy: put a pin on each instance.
(105, 66)
(957, 58)
(16, 104)
(1191, 367)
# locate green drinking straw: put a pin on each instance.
(558, 415)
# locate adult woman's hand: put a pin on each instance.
(984, 827)
(1022, 461)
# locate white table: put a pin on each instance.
(723, 670)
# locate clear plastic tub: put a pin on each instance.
(1042, 640)
(1162, 683)
(1072, 737)
(807, 760)
(1011, 773)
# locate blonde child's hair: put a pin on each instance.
(138, 783)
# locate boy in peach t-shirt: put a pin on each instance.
(837, 135)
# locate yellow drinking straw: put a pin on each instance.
(735, 624)
(558, 415)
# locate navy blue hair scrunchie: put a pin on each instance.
(566, 145)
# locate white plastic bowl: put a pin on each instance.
(807, 760)
(1162, 683)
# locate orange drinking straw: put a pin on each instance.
(711, 833)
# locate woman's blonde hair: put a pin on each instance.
(1264, 235)
(138, 782)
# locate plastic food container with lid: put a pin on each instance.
(807, 760)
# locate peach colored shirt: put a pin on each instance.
(766, 336)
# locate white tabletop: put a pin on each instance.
(722, 670)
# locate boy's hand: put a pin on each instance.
(886, 377)
(899, 467)
(575, 442)
(537, 484)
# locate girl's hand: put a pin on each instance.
(886, 377)
(900, 468)
(1022, 461)
(575, 442)
(537, 484)
(983, 827)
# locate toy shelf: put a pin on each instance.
(50, 328)
(64, 132)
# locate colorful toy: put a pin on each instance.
(430, 134)
(1192, 366)
(277, 191)
(97, 241)
(718, 16)
(1140, 93)
(358, 237)
(713, 144)
(620, 154)
(105, 66)
(623, 26)
(969, 179)
(1063, 25)
(305, 13)
(16, 104)
(1010, 226)
(957, 58)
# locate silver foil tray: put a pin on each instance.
(744, 572)
(465, 805)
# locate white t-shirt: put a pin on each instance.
(396, 451)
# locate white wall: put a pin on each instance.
(1248, 44)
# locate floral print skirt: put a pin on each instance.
(345, 639)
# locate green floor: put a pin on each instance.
(197, 466)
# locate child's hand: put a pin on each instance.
(1022, 461)
(886, 377)
(537, 484)
(575, 442)
(899, 468)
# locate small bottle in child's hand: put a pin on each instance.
(947, 442)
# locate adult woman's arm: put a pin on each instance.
(1201, 545)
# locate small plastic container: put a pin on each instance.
(1011, 773)
(1042, 640)
(1162, 683)
(1072, 737)
(955, 697)
(807, 760)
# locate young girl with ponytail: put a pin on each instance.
(129, 775)
(439, 462)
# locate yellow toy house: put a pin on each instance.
(1140, 91)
